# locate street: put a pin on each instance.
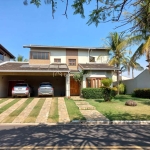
(75, 136)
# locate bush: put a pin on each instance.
(141, 93)
(107, 82)
(122, 88)
(108, 93)
(92, 93)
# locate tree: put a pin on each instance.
(104, 10)
(117, 44)
(21, 59)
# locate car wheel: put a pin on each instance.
(13, 96)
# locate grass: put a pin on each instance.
(5, 107)
(35, 112)
(53, 113)
(117, 110)
(3, 100)
(73, 110)
(16, 112)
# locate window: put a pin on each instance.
(39, 55)
(1, 56)
(72, 62)
(57, 60)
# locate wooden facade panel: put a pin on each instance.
(72, 54)
(74, 87)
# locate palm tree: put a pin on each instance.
(118, 44)
(21, 59)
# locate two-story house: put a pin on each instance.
(57, 64)
(5, 55)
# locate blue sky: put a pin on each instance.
(23, 25)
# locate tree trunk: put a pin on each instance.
(118, 81)
(132, 73)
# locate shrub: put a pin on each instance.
(141, 93)
(122, 88)
(92, 93)
(107, 82)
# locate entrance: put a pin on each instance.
(74, 87)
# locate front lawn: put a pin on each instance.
(116, 109)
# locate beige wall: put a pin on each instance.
(39, 62)
(141, 81)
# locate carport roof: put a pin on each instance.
(25, 67)
(97, 66)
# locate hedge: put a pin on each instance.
(142, 93)
(92, 93)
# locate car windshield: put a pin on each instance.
(21, 84)
(45, 85)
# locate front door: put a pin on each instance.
(74, 87)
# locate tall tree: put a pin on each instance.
(118, 44)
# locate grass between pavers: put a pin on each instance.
(5, 107)
(73, 110)
(16, 112)
(3, 100)
(53, 113)
(117, 110)
(35, 111)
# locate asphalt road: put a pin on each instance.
(75, 135)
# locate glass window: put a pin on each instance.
(72, 62)
(57, 60)
(40, 55)
(1, 57)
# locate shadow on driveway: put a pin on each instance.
(75, 135)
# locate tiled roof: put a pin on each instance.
(25, 67)
(97, 66)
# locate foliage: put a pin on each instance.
(142, 93)
(92, 93)
(107, 92)
(122, 88)
(103, 10)
(78, 76)
(107, 82)
(21, 59)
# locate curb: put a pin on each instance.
(83, 122)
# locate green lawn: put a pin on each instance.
(117, 110)
(5, 107)
(53, 113)
(3, 100)
(73, 110)
(16, 112)
(35, 111)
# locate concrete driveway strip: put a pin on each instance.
(63, 113)
(11, 109)
(24, 114)
(43, 115)
(6, 102)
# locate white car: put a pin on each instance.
(22, 89)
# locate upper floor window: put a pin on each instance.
(57, 60)
(39, 55)
(72, 62)
(1, 57)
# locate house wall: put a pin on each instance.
(3, 86)
(83, 56)
(141, 81)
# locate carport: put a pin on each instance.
(15, 72)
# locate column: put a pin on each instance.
(68, 85)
